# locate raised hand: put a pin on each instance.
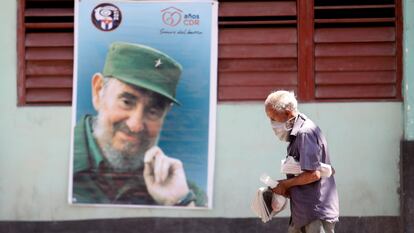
(164, 177)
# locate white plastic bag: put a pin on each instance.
(290, 166)
(267, 180)
(267, 204)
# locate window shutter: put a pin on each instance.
(345, 50)
(356, 50)
(45, 45)
(257, 49)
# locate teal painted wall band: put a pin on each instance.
(408, 61)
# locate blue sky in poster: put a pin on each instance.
(185, 131)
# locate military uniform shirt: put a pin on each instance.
(94, 182)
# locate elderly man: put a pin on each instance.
(314, 200)
(116, 158)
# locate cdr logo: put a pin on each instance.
(171, 16)
(106, 17)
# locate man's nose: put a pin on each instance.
(136, 119)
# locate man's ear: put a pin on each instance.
(289, 114)
(97, 86)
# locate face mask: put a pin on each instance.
(282, 130)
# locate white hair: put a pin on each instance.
(280, 101)
(105, 85)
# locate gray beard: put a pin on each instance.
(119, 161)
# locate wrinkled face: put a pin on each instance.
(277, 116)
(129, 118)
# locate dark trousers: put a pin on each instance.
(317, 226)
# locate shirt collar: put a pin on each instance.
(300, 119)
(96, 155)
(87, 154)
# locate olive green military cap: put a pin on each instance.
(143, 66)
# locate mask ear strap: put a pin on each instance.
(289, 120)
(292, 118)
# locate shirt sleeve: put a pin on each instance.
(309, 152)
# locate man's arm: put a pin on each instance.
(304, 178)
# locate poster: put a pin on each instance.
(144, 104)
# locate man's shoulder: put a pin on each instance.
(80, 145)
(308, 126)
(308, 129)
(201, 197)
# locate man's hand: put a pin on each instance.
(304, 178)
(164, 177)
(281, 189)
